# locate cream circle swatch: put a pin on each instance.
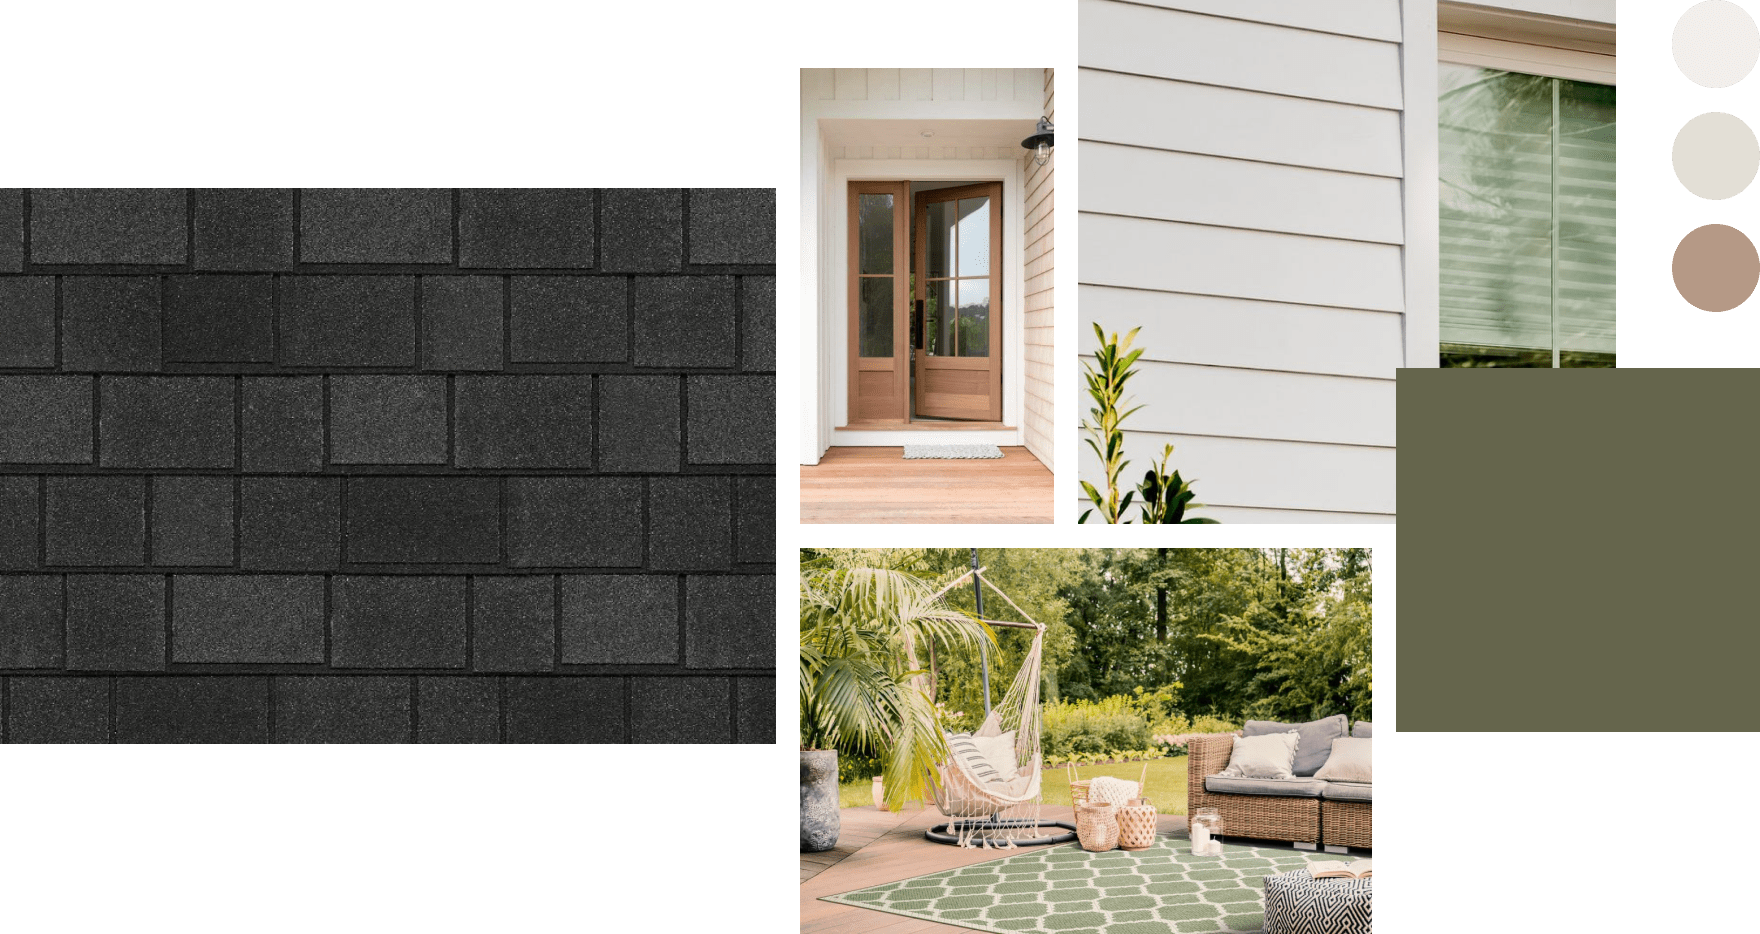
(1716, 156)
(1716, 44)
(1716, 267)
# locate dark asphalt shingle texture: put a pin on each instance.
(387, 466)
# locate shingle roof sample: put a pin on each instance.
(387, 465)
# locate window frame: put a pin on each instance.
(1511, 42)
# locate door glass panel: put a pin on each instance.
(876, 317)
(974, 237)
(940, 245)
(875, 226)
(974, 318)
(938, 317)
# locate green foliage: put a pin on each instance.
(1106, 377)
(1242, 631)
(1165, 497)
(856, 768)
(1122, 726)
(1093, 728)
(862, 616)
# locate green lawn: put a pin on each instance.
(1166, 784)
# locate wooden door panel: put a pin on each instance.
(879, 286)
(959, 279)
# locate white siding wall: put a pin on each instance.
(1242, 201)
(1036, 430)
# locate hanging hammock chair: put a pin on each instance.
(989, 787)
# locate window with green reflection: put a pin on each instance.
(1527, 211)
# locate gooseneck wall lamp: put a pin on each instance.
(1041, 141)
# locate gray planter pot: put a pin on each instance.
(819, 818)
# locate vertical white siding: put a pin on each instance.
(1242, 202)
(1036, 421)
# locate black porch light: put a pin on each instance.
(1041, 141)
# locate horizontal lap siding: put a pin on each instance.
(1170, 257)
(1242, 203)
(1246, 333)
(1207, 190)
(1140, 40)
(1249, 472)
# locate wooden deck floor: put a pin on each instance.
(862, 484)
(878, 846)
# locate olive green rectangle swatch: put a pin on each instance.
(1576, 549)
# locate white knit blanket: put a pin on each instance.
(1115, 791)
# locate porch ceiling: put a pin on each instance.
(958, 133)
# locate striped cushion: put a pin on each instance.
(988, 758)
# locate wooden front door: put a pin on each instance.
(879, 301)
(959, 286)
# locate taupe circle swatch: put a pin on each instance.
(1716, 44)
(1716, 156)
(1716, 267)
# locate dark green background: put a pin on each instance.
(1657, 326)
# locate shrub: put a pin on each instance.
(1094, 728)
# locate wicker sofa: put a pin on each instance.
(1334, 814)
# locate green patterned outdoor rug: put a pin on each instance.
(1067, 890)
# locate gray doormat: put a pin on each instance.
(950, 451)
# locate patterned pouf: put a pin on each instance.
(1297, 903)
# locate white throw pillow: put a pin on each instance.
(988, 758)
(1351, 761)
(1269, 755)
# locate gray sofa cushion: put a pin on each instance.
(1362, 729)
(1316, 739)
(1280, 787)
(1349, 791)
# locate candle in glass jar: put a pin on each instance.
(1200, 840)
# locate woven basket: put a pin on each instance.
(1097, 826)
(1078, 793)
(1136, 825)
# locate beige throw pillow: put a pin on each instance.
(1266, 756)
(1351, 761)
(988, 758)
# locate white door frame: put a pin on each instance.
(834, 315)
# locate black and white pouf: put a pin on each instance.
(1297, 903)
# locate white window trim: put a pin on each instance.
(834, 315)
(1525, 58)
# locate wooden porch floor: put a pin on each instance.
(862, 484)
(880, 846)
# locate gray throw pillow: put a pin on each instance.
(1363, 729)
(1316, 736)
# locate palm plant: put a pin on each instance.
(860, 627)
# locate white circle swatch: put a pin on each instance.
(1716, 44)
(1716, 156)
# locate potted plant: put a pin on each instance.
(860, 687)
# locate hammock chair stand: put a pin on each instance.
(1020, 712)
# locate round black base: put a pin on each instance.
(941, 833)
